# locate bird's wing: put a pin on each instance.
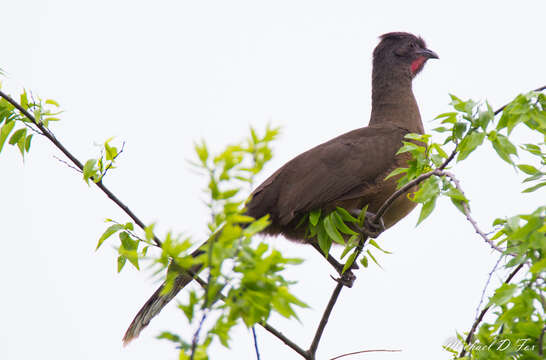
(327, 172)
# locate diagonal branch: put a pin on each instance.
(468, 339)
(49, 135)
(346, 277)
(466, 211)
(363, 352)
(504, 106)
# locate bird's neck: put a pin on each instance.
(393, 101)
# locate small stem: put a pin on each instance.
(363, 352)
(255, 343)
(324, 320)
(285, 340)
(49, 135)
(468, 339)
(346, 278)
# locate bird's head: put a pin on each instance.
(402, 51)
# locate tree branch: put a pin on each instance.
(285, 340)
(255, 343)
(363, 352)
(466, 210)
(504, 106)
(49, 135)
(468, 339)
(345, 278)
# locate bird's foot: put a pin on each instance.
(346, 279)
(372, 227)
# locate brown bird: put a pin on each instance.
(347, 171)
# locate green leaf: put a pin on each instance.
(202, 152)
(351, 243)
(23, 100)
(129, 248)
(446, 115)
(331, 230)
(534, 188)
(439, 149)
(459, 129)
(539, 266)
(528, 169)
(149, 232)
(469, 144)
(111, 151)
(340, 224)
(89, 170)
(504, 148)
(396, 172)
(456, 194)
(27, 142)
(362, 215)
(374, 244)
(345, 215)
(373, 258)
(324, 241)
(21, 144)
(121, 262)
(52, 102)
(314, 217)
(409, 147)
(349, 262)
(426, 210)
(503, 294)
(4, 132)
(364, 261)
(17, 135)
(109, 232)
(257, 226)
(418, 137)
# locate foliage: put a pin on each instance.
(518, 325)
(244, 282)
(21, 136)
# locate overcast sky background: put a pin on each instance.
(161, 75)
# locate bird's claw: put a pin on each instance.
(372, 227)
(346, 279)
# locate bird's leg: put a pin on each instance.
(348, 276)
(338, 266)
(372, 227)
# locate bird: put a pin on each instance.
(348, 171)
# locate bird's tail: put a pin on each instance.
(153, 306)
(157, 301)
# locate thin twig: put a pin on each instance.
(49, 135)
(541, 337)
(265, 325)
(285, 340)
(255, 343)
(345, 278)
(468, 339)
(363, 352)
(109, 166)
(324, 320)
(466, 210)
(504, 106)
(67, 163)
(487, 285)
(196, 334)
(401, 191)
(425, 176)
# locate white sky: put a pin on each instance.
(160, 75)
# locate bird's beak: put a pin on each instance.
(428, 54)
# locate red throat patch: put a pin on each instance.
(416, 65)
